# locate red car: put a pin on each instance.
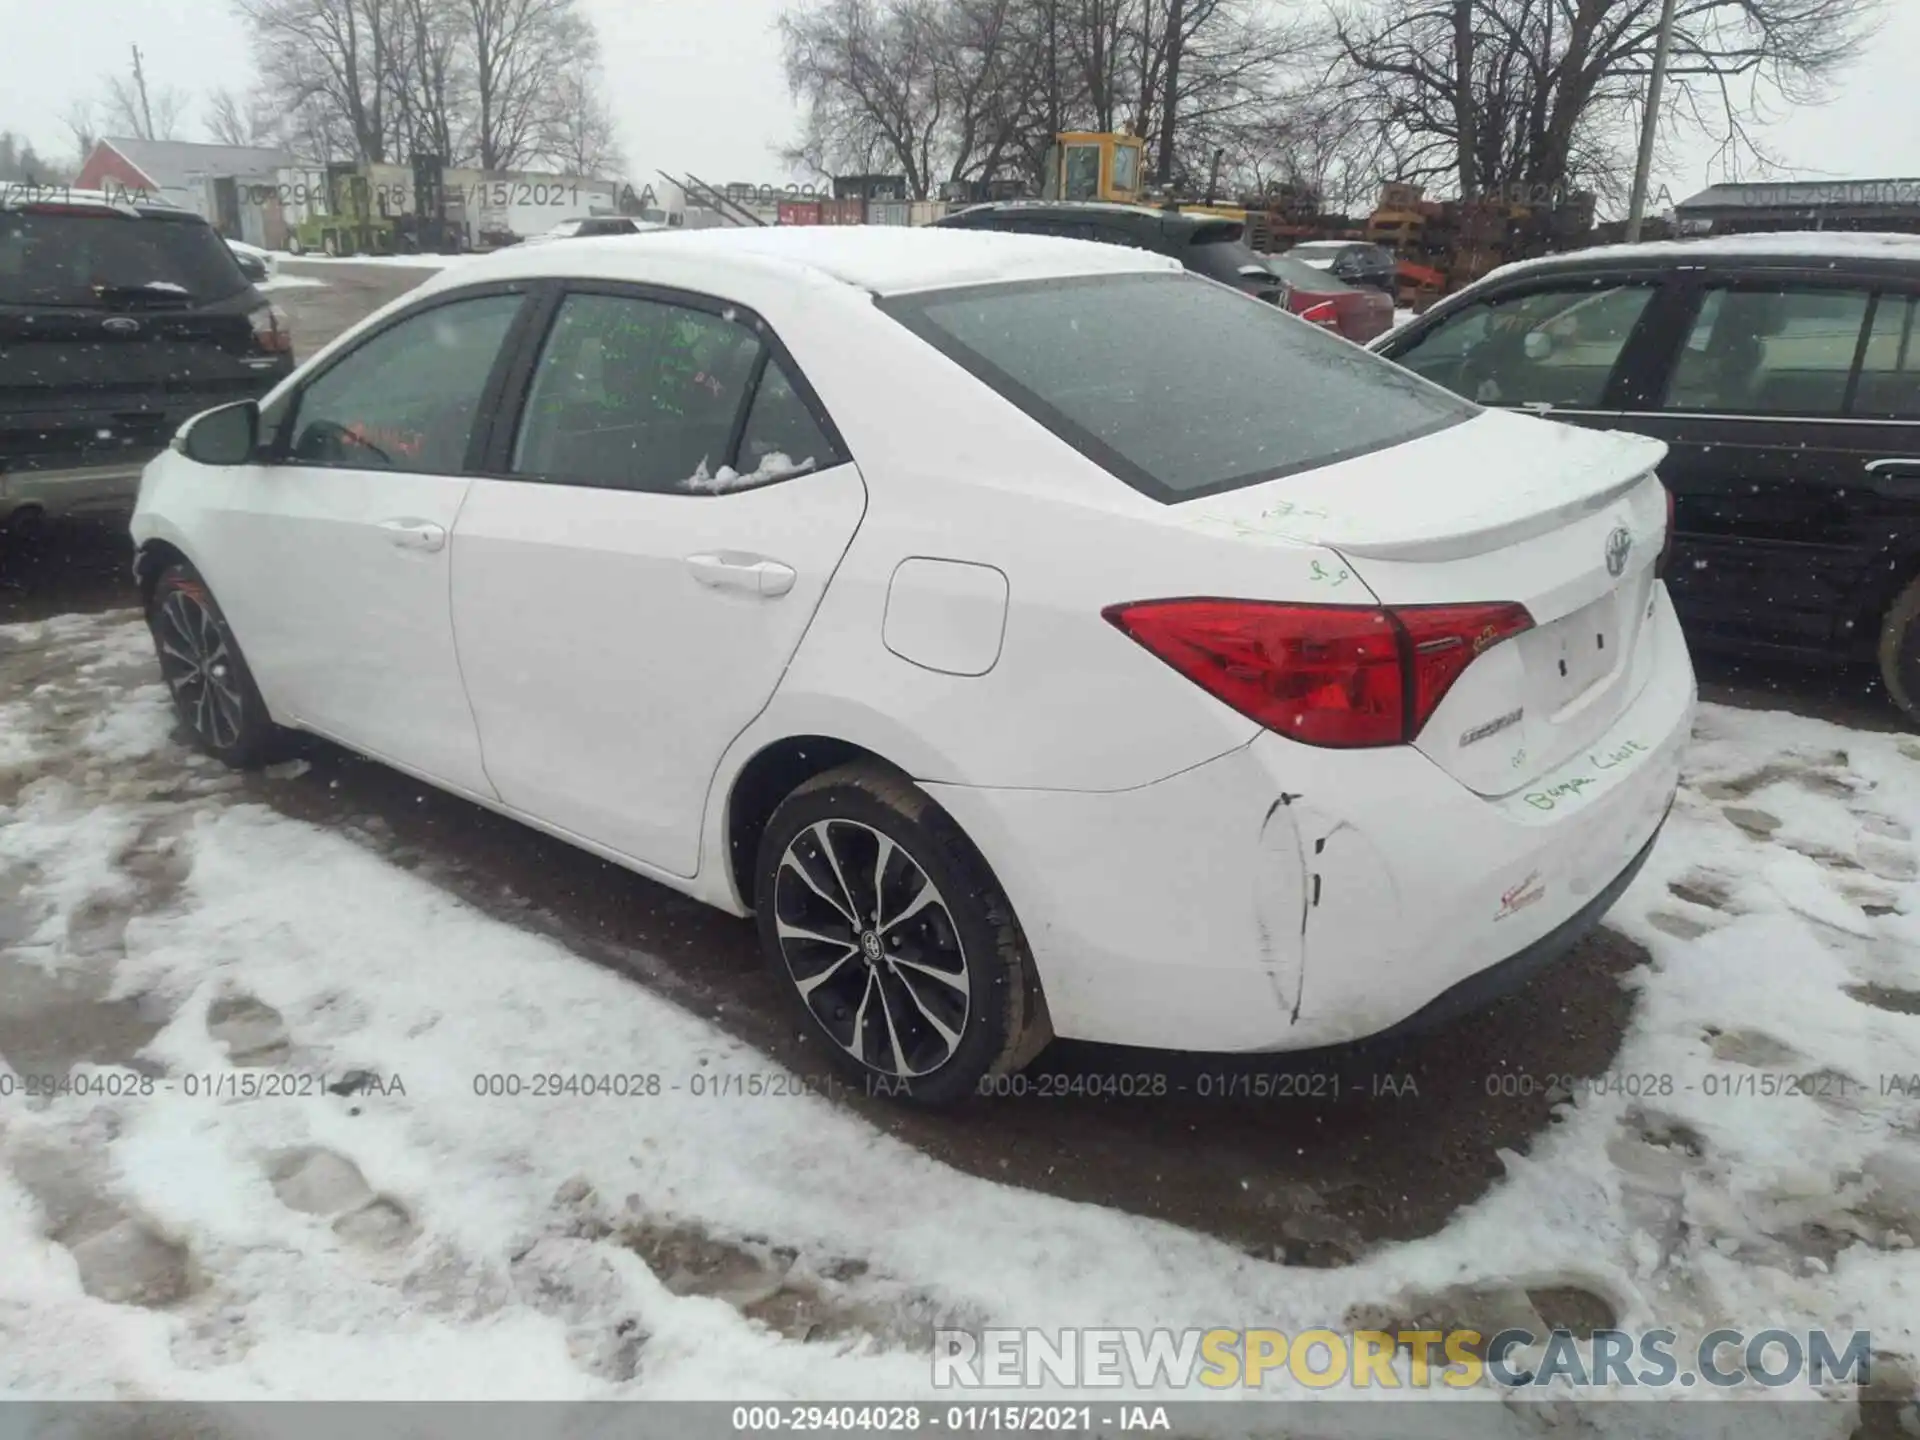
(1357, 312)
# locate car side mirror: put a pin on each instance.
(1538, 344)
(227, 435)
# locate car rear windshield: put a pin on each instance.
(1179, 387)
(1302, 276)
(112, 261)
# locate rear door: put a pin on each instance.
(636, 570)
(114, 327)
(1789, 406)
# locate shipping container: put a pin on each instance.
(889, 212)
(925, 212)
(843, 212)
(799, 212)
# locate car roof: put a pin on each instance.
(880, 259)
(1776, 247)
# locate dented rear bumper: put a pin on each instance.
(1281, 897)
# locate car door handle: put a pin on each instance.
(753, 573)
(415, 534)
(1896, 476)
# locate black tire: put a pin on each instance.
(1900, 652)
(213, 691)
(938, 1037)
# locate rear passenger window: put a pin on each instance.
(1772, 350)
(781, 437)
(1890, 370)
(632, 394)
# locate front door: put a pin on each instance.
(335, 561)
(627, 602)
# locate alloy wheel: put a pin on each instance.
(872, 947)
(199, 668)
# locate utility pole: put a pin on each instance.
(1053, 69)
(1637, 207)
(140, 84)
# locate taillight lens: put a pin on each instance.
(270, 333)
(1666, 543)
(1340, 676)
(1325, 313)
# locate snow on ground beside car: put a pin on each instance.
(446, 1243)
(290, 282)
(1402, 316)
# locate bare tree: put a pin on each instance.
(233, 119)
(581, 138)
(20, 162)
(81, 124)
(327, 62)
(429, 77)
(1490, 93)
(518, 48)
(146, 112)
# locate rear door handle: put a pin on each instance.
(730, 570)
(1897, 476)
(415, 534)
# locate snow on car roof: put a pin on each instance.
(1777, 245)
(883, 259)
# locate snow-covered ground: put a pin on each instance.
(439, 1243)
(282, 281)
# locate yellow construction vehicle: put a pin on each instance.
(1095, 165)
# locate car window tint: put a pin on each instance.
(781, 437)
(85, 259)
(407, 398)
(1546, 347)
(1890, 369)
(1178, 386)
(1777, 350)
(634, 394)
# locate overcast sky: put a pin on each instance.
(696, 84)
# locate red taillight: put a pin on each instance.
(1666, 543)
(1325, 313)
(270, 333)
(1341, 676)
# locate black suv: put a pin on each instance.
(118, 321)
(1783, 371)
(1209, 245)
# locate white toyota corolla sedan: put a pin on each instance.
(1036, 638)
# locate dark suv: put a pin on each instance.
(117, 322)
(1783, 371)
(1208, 245)
(1352, 261)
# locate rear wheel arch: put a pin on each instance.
(776, 770)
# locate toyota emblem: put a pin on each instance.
(1619, 547)
(121, 325)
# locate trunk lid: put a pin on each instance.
(1565, 521)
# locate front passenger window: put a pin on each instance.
(406, 399)
(1547, 347)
